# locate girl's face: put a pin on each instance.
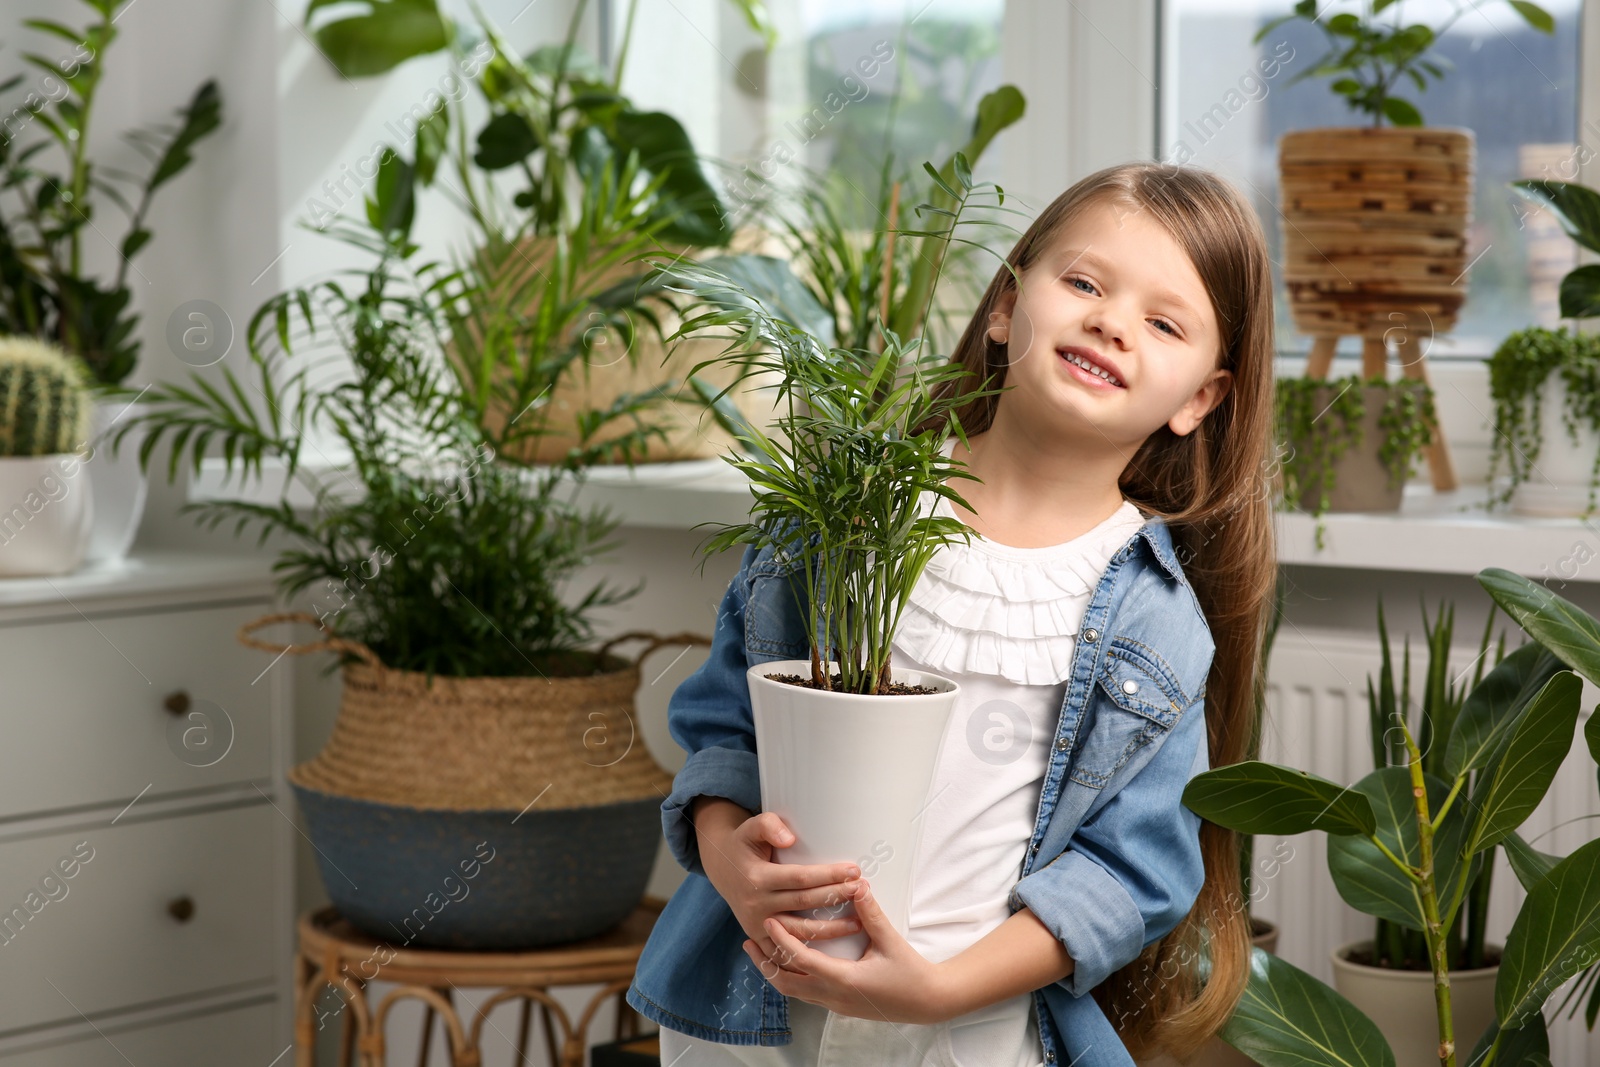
(1113, 289)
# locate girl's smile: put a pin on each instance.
(1093, 368)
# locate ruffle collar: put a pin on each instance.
(988, 608)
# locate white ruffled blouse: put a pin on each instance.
(989, 608)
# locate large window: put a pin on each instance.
(1515, 88)
(846, 79)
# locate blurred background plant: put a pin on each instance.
(45, 289)
(1368, 58)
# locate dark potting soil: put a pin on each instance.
(1364, 957)
(896, 689)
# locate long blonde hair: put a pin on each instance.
(1212, 487)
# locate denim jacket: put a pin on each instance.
(1113, 862)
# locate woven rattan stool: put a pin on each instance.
(332, 952)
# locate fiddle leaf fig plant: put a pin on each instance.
(1423, 835)
(1368, 57)
(840, 488)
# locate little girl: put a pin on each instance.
(1113, 605)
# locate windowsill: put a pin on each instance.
(1435, 533)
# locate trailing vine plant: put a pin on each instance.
(1518, 371)
(1317, 432)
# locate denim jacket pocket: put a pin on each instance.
(1137, 701)
(774, 623)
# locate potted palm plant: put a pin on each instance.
(46, 290)
(1411, 844)
(474, 712)
(842, 492)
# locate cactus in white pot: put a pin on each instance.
(45, 506)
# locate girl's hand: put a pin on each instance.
(892, 981)
(736, 853)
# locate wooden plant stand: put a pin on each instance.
(332, 952)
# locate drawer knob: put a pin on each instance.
(177, 703)
(181, 909)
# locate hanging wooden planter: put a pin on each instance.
(1374, 223)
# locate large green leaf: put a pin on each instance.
(1517, 1048)
(505, 141)
(687, 199)
(1287, 1018)
(1580, 292)
(1491, 709)
(1555, 935)
(1255, 797)
(388, 34)
(1512, 786)
(1576, 207)
(1555, 622)
(1367, 879)
(1527, 863)
(998, 109)
(393, 205)
(203, 115)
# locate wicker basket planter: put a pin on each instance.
(1374, 226)
(482, 813)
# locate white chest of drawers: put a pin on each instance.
(146, 894)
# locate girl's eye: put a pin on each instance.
(1160, 322)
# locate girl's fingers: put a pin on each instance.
(803, 929)
(832, 900)
(792, 954)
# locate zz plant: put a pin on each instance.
(1408, 844)
(1367, 57)
(44, 289)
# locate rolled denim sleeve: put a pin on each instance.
(1133, 870)
(709, 717)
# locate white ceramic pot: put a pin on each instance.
(119, 486)
(46, 512)
(1401, 1003)
(1558, 484)
(850, 774)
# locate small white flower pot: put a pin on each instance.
(1402, 1005)
(850, 775)
(119, 487)
(46, 513)
(1557, 486)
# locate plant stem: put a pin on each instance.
(1430, 909)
